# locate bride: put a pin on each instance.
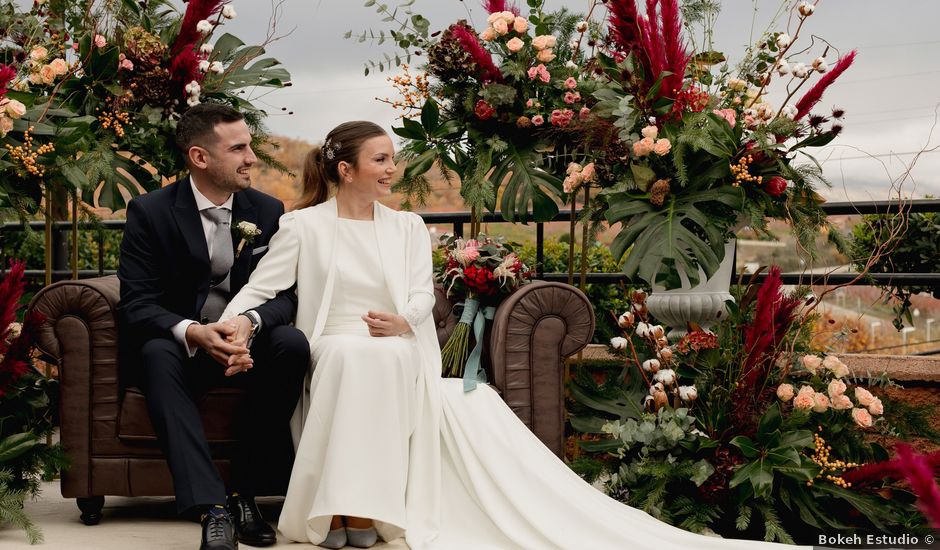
(385, 447)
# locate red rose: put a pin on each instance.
(775, 186)
(479, 280)
(483, 110)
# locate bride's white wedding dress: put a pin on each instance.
(384, 437)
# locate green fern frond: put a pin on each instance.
(773, 529)
(13, 513)
(744, 517)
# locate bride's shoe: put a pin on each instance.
(362, 538)
(336, 538)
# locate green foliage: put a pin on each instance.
(917, 252)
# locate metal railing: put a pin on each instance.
(459, 219)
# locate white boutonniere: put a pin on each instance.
(248, 231)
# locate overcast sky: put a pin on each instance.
(890, 94)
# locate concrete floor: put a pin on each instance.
(139, 523)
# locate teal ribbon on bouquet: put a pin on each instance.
(475, 316)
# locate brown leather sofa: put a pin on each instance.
(105, 427)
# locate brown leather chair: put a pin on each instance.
(105, 427)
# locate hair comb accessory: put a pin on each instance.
(330, 148)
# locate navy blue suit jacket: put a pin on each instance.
(164, 264)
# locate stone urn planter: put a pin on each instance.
(702, 304)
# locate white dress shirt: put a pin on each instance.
(208, 227)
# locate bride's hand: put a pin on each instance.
(382, 323)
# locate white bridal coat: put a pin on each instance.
(477, 478)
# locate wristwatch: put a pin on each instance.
(255, 325)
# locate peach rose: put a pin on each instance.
(588, 173)
(811, 363)
(545, 56)
(59, 66)
(488, 35)
(515, 45)
(804, 402)
(47, 74)
(662, 146)
(34, 78)
(862, 418)
(820, 403)
(643, 147)
(875, 407)
(806, 390)
(785, 392)
(541, 42)
(650, 132)
(841, 402)
(520, 24)
(39, 54)
(836, 387)
(508, 16)
(863, 396)
(13, 108)
(501, 27)
(6, 124)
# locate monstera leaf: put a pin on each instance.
(679, 236)
(528, 186)
(263, 72)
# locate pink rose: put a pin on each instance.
(561, 117)
(584, 113)
(540, 72)
(785, 392)
(100, 41)
(571, 83)
(820, 403)
(836, 387)
(572, 97)
(862, 418)
(841, 402)
(520, 24)
(863, 396)
(6, 125)
(643, 147)
(804, 402)
(876, 407)
(126, 64)
(501, 27)
(588, 172)
(538, 120)
(545, 55)
(662, 146)
(514, 45)
(727, 114)
(529, 102)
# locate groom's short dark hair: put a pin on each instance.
(198, 124)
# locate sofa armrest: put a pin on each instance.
(81, 336)
(534, 330)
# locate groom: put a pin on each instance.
(187, 249)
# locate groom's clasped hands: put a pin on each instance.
(226, 342)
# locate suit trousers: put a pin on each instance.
(173, 383)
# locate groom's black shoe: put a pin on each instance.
(218, 532)
(250, 526)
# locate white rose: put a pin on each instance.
(204, 66)
(783, 40)
(204, 27)
(228, 12)
(217, 67)
(206, 48)
(618, 342)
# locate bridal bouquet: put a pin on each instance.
(480, 272)
(90, 92)
(688, 149)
